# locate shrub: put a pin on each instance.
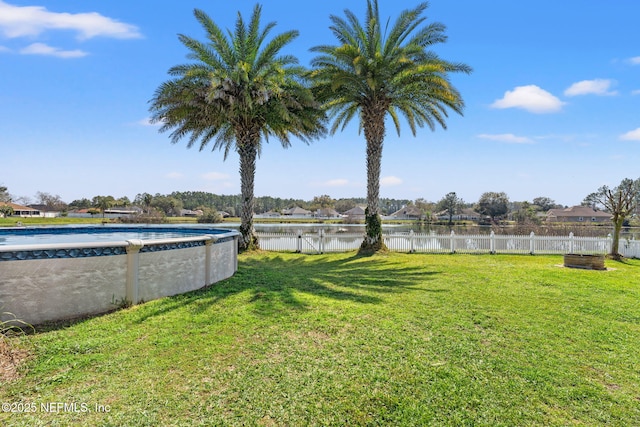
(209, 216)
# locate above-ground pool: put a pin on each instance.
(55, 273)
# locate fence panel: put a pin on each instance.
(342, 242)
(432, 243)
(309, 243)
(552, 245)
(447, 243)
(399, 242)
(472, 244)
(278, 241)
(591, 245)
(629, 248)
(508, 244)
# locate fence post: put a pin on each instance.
(321, 241)
(453, 242)
(532, 243)
(609, 242)
(571, 242)
(492, 243)
(412, 248)
(299, 242)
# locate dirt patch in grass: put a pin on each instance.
(11, 357)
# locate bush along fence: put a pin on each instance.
(322, 242)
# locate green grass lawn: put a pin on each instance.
(337, 339)
(14, 221)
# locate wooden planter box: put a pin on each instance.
(588, 262)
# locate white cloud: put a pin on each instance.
(591, 87)
(43, 49)
(509, 138)
(635, 92)
(29, 21)
(4, 49)
(633, 135)
(635, 60)
(215, 176)
(389, 181)
(530, 98)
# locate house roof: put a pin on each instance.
(470, 212)
(327, 212)
(43, 208)
(296, 211)
(17, 207)
(408, 211)
(355, 211)
(579, 211)
(464, 212)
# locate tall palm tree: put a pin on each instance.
(239, 90)
(375, 71)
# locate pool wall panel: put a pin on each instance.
(36, 291)
(171, 272)
(224, 260)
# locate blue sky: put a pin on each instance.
(552, 107)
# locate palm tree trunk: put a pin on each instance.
(374, 131)
(248, 152)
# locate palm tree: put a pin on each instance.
(103, 203)
(239, 90)
(373, 73)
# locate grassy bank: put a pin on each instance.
(14, 221)
(345, 340)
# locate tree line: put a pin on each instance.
(492, 204)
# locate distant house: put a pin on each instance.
(297, 212)
(22, 211)
(46, 211)
(269, 214)
(408, 212)
(122, 212)
(191, 213)
(577, 214)
(327, 213)
(466, 214)
(355, 213)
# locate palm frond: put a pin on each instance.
(394, 70)
(239, 86)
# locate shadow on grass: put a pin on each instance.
(274, 281)
(631, 262)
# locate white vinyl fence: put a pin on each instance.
(448, 243)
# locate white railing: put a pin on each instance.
(322, 242)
